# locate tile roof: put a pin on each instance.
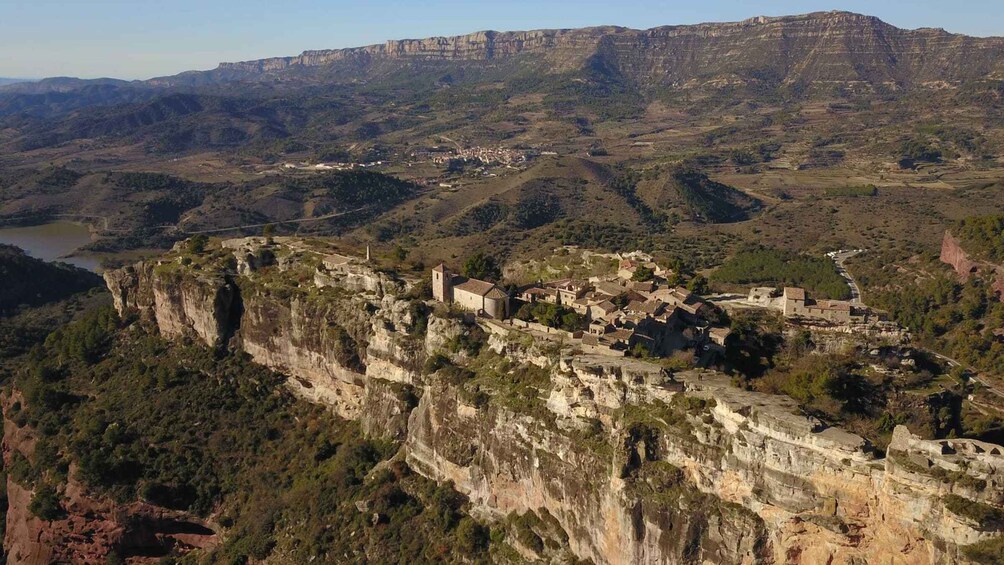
(648, 307)
(619, 335)
(722, 332)
(794, 293)
(607, 306)
(496, 294)
(474, 286)
(610, 288)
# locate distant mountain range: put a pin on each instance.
(5, 81)
(812, 48)
(603, 72)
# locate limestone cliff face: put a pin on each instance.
(632, 463)
(822, 47)
(180, 305)
(479, 46)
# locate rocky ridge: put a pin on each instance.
(634, 463)
(820, 47)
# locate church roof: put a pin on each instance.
(474, 286)
(496, 294)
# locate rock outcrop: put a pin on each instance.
(180, 305)
(952, 253)
(630, 462)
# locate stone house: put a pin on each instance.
(481, 297)
(718, 336)
(565, 292)
(797, 304)
(538, 294)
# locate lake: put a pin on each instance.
(52, 242)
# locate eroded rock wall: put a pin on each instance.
(953, 254)
(179, 301)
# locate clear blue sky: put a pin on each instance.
(146, 38)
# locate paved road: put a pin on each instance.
(276, 222)
(839, 258)
(974, 374)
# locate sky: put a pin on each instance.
(138, 39)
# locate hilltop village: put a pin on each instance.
(610, 315)
(631, 312)
(635, 311)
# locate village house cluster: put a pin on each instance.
(498, 155)
(618, 312)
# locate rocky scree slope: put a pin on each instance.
(629, 462)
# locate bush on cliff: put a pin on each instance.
(983, 236)
(987, 552)
(45, 503)
(986, 516)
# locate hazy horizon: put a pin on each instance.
(114, 39)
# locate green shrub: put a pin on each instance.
(985, 515)
(472, 537)
(483, 267)
(45, 503)
(196, 245)
(643, 273)
(987, 552)
(552, 315)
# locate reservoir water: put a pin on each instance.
(52, 242)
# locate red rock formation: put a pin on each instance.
(93, 527)
(953, 254)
